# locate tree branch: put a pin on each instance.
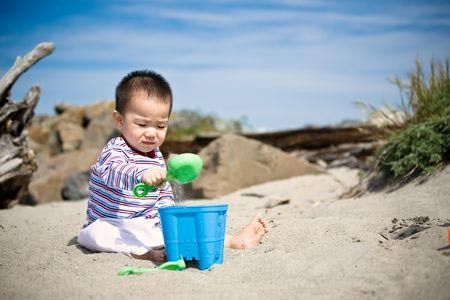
(21, 65)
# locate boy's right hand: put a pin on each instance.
(154, 176)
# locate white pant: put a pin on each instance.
(137, 236)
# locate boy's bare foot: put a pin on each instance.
(155, 255)
(250, 236)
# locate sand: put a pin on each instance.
(318, 247)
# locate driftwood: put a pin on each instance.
(299, 139)
(335, 146)
(17, 162)
(352, 155)
(311, 138)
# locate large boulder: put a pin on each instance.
(233, 162)
(66, 145)
(99, 108)
(43, 139)
(100, 130)
(48, 181)
(70, 129)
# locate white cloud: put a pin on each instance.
(297, 64)
(405, 15)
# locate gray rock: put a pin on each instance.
(234, 162)
(48, 180)
(100, 130)
(75, 187)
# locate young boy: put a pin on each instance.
(117, 221)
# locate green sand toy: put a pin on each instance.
(182, 168)
(178, 265)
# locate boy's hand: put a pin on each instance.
(154, 176)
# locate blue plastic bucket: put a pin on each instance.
(194, 233)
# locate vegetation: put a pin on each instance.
(186, 124)
(424, 143)
(426, 99)
(420, 147)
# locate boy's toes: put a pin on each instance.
(264, 224)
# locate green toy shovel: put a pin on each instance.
(178, 265)
(182, 168)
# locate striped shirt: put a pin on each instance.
(118, 169)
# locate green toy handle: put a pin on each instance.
(142, 189)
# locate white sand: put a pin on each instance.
(318, 247)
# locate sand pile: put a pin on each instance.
(318, 247)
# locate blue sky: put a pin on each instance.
(282, 64)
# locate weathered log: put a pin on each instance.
(362, 140)
(15, 116)
(17, 162)
(311, 138)
(349, 154)
(328, 146)
(15, 174)
(21, 65)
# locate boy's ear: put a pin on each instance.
(118, 119)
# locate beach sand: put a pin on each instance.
(318, 247)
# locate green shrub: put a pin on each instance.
(424, 142)
(420, 147)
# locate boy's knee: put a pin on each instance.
(87, 238)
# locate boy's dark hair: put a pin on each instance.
(146, 81)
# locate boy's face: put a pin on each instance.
(144, 122)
